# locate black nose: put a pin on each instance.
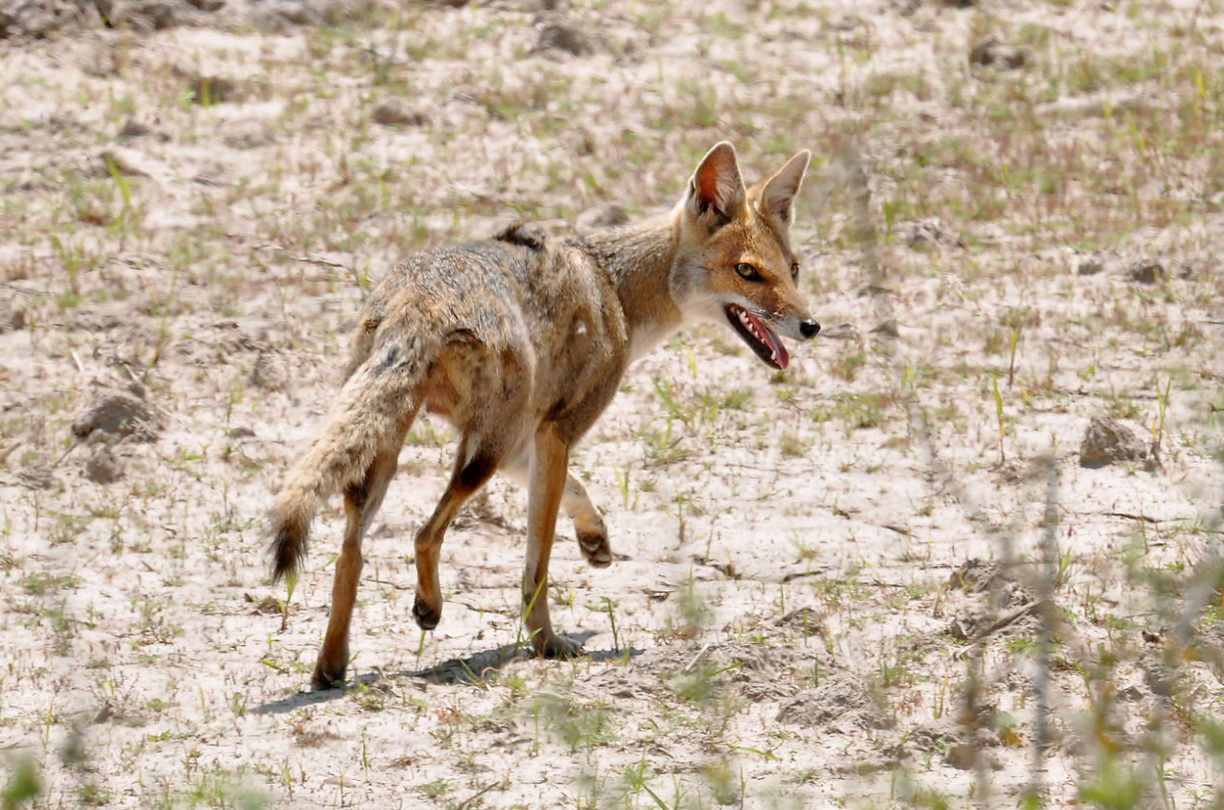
(809, 328)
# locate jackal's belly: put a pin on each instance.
(511, 382)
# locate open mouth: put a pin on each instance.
(767, 345)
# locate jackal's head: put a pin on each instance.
(735, 259)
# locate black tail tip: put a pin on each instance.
(286, 550)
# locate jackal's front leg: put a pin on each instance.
(546, 488)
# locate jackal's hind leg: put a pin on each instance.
(361, 502)
(589, 525)
(465, 481)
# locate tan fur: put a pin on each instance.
(520, 342)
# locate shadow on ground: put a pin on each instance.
(470, 669)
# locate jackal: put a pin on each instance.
(520, 342)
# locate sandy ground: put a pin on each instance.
(880, 579)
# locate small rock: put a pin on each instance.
(1146, 271)
(837, 697)
(268, 604)
(969, 626)
(37, 476)
(392, 111)
(932, 736)
(1185, 271)
(887, 328)
(127, 162)
(977, 575)
(104, 714)
(150, 14)
(208, 90)
(245, 134)
(930, 233)
(992, 52)
(1075, 745)
(1107, 441)
(275, 13)
(12, 317)
(561, 36)
(36, 19)
(1089, 265)
(806, 620)
(270, 372)
(601, 216)
(103, 467)
(138, 129)
(1162, 679)
(961, 756)
(842, 331)
(118, 413)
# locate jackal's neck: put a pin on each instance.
(639, 258)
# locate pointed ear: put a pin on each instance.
(716, 184)
(778, 192)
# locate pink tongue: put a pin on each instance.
(783, 359)
(772, 340)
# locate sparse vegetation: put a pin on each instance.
(878, 579)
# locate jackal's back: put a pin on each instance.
(521, 309)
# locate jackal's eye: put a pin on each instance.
(795, 271)
(747, 271)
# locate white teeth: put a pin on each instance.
(752, 330)
(773, 356)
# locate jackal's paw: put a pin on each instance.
(427, 616)
(595, 546)
(555, 646)
(327, 677)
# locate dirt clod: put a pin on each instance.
(845, 698)
(35, 19)
(118, 413)
(12, 317)
(601, 216)
(808, 621)
(1146, 271)
(103, 467)
(961, 755)
(396, 111)
(559, 36)
(153, 15)
(1089, 265)
(246, 135)
(976, 575)
(37, 476)
(207, 89)
(927, 233)
(1108, 441)
(992, 52)
(133, 128)
(887, 328)
(271, 372)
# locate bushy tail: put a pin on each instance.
(368, 417)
